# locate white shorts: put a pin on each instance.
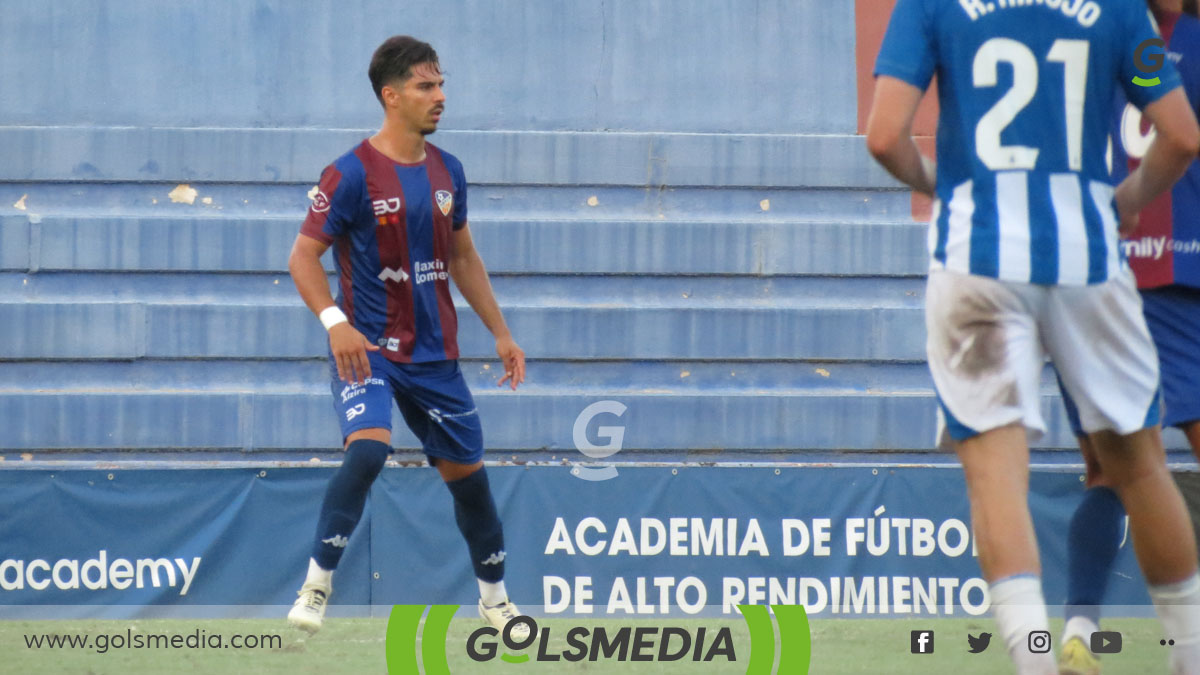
(988, 341)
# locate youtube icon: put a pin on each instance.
(1106, 642)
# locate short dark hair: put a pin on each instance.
(394, 59)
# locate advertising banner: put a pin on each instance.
(642, 541)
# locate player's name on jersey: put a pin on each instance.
(1086, 12)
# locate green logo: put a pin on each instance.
(404, 632)
(795, 639)
(1148, 64)
(402, 635)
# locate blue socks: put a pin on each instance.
(1092, 544)
(345, 498)
(475, 513)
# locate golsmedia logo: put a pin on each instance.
(644, 643)
(614, 437)
(625, 644)
(1148, 64)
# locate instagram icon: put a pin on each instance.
(1039, 641)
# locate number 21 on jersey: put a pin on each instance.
(1072, 54)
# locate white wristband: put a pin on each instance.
(331, 316)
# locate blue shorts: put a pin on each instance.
(433, 398)
(1173, 315)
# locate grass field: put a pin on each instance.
(358, 646)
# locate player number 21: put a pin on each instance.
(1073, 54)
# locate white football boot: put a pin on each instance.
(499, 615)
(308, 612)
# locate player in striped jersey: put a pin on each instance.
(1025, 264)
(394, 209)
(1164, 253)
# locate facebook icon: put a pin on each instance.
(922, 641)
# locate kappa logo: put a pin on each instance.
(337, 541)
(494, 559)
(393, 344)
(355, 411)
(445, 201)
(320, 202)
(387, 211)
(389, 274)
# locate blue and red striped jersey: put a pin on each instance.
(1165, 248)
(390, 227)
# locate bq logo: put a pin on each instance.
(642, 644)
(1148, 64)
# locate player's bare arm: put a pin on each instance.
(470, 275)
(889, 134)
(349, 346)
(1176, 142)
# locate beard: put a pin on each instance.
(426, 130)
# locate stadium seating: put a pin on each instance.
(746, 281)
(767, 304)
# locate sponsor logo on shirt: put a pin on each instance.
(320, 202)
(398, 276)
(352, 390)
(387, 211)
(1154, 247)
(430, 271)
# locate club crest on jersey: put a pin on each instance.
(445, 201)
(387, 211)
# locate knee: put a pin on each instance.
(365, 458)
(1130, 459)
(1132, 473)
(473, 490)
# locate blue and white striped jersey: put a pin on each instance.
(1025, 89)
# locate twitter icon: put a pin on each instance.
(978, 644)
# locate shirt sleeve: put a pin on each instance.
(1189, 72)
(1140, 27)
(460, 196)
(331, 211)
(908, 51)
